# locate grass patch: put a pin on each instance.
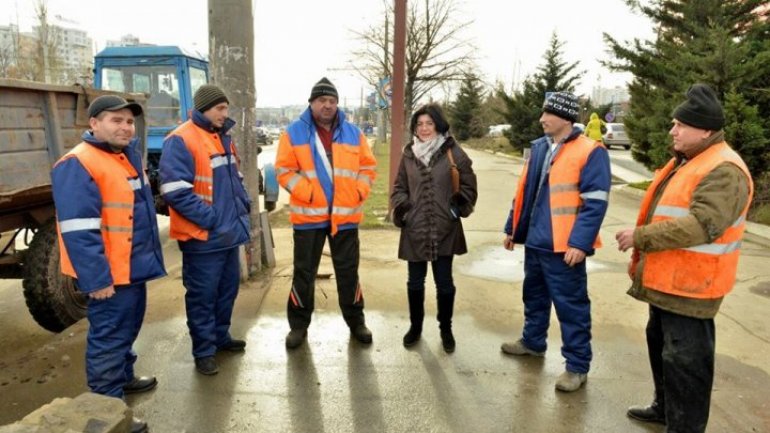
(376, 205)
(760, 214)
(643, 185)
(492, 144)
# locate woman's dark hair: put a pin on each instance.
(436, 113)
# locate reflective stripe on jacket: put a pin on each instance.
(566, 200)
(203, 187)
(117, 180)
(319, 198)
(704, 271)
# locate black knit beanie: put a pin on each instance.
(207, 96)
(701, 109)
(564, 105)
(323, 87)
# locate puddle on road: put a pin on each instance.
(495, 263)
(762, 289)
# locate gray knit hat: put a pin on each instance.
(701, 109)
(323, 87)
(564, 105)
(207, 96)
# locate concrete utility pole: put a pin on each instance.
(231, 54)
(397, 84)
(382, 133)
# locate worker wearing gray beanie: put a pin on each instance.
(207, 96)
(323, 87)
(209, 216)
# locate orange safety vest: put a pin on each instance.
(349, 177)
(111, 173)
(703, 271)
(207, 152)
(564, 182)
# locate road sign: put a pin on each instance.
(384, 93)
(609, 117)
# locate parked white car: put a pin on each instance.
(498, 130)
(616, 136)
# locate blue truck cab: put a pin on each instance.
(169, 76)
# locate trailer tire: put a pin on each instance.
(52, 298)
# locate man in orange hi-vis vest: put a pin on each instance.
(557, 212)
(325, 164)
(685, 256)
(109, 242)
(209, 210)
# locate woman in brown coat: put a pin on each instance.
(427, 205)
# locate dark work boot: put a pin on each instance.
(651, 413)
(416, 314)
(446, 304)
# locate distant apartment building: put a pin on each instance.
(128, 40)
(74, 49)
(8, 35)
(614, 95)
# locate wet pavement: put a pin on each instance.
(334, 384)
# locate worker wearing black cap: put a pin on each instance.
(109, 242)
(686, 246)
(209, 209)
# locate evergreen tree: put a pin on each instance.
(524, 107)
(723, 43)
(465, 112)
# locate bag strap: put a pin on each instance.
(453, 171)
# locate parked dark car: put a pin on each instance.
(616, 136)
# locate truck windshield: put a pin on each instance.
(158, 81)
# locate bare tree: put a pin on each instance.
(436, 50)
(7, 60)
(47, 61)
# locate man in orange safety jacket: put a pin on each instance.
(325, 164)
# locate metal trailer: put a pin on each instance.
(38, 124)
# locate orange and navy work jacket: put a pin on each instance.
(201, 182)
(108, 234)
(325, 193)
(561, 203)
(704, 271)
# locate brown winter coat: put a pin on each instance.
(422, 203)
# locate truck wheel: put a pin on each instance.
(52, 298)
(269, 206)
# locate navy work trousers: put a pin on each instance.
(681, 351)
(114, 324)
(211, 280)
(548, 280)
(308, 246)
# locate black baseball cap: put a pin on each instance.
(112, 103)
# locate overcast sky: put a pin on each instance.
(299, 41)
